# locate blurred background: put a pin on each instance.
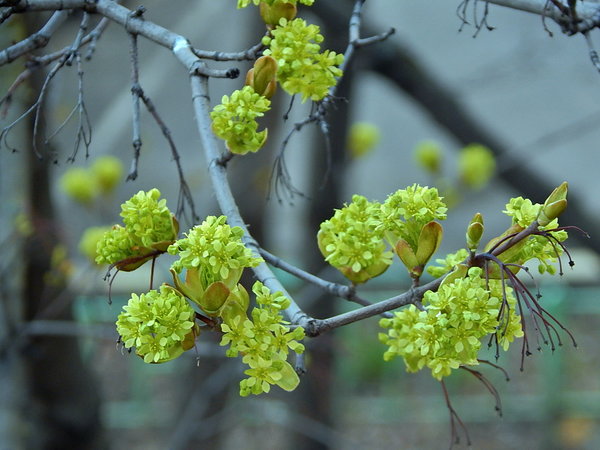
(530, 98)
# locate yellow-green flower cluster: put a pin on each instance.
(406, 211)
(244, 3)
(84, 185)
(149, 226)
(234, 120)
(147, 218)
(115, 245)
(448, 332)
(264, 340)
(302, 68)
(158, 324)
(213, 247)
(352, 242)
(523, 212)
(448, 263)
(476, 165)
(88, 244)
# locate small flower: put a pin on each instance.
(351, 242)
(234, 120)
(148, 219)
(476, 165)
(302, 69)
(88, 244)
(428, 155)
(108, 172)
(244, 3)
(156, 324)
(77, 184)
(116, 245)
(216, 249)
(363, 138)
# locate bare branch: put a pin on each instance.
(34, 41)
(247, 55)
(135, 104)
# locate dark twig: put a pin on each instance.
(455, 420)
(280, 178)
(36, 107)
(185, 193)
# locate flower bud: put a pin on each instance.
(474, 232)
(214, 298)
(272, 14)
(554, 205)
(262, 76)
(430, 239)
(408, 257)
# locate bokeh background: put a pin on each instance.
(530, 97)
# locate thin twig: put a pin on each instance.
(185, 193)
(280, 178)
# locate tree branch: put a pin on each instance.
(34, 41)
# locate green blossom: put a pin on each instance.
(108, 172)
(352, 243)
(156, 324)
(522, 211)
(264, 341)
(476, 165)
(216, 249)
(406, 211)
(115, 245)
(448, 332)
(428, 155)
(448, 263)
(234, 120)
(302, 69)
(78, 185)
(88, 244)
(148, 219)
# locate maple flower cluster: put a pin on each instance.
(234, 120)
(448, 332)
(292, 59)
(160, 325)
(149, 227)
(302, 68)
